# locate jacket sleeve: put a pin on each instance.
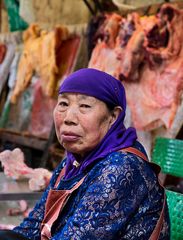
(111, 200)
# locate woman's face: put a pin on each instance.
(81, 122)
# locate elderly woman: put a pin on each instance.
(104, 188)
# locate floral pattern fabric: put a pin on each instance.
(120, 198)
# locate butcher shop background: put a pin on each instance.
(145, 53)
(41, 42)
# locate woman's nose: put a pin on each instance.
(71, 116)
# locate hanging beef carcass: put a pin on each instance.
(154, 100)
(147, 57)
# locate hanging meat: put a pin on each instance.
(147, 57)
(103, 56)
(160, 86)
(39, 56)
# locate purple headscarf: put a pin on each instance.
(106, 88)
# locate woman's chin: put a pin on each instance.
(71, 148)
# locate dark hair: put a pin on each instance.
(110, 107)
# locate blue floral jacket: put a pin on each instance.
(120, 198)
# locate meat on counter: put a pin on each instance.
(14, 167)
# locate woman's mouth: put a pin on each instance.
(69, 137)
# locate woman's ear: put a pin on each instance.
(115, 113)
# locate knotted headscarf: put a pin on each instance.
(106, 88)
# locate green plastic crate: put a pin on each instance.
(175, 207)
(168, 154)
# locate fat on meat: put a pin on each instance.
(14, 167)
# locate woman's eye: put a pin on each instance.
(63, 104)
(85, 106)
